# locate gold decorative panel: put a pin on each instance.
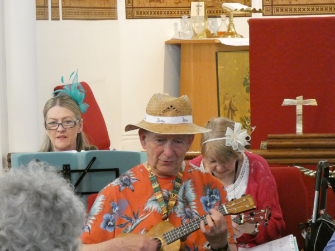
(234, 86)
(140, 9)
(42, 10)
(54, 9)
(298, 7)
(89, 10)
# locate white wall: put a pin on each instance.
(21, 71)
(3, 95)
(125, 62)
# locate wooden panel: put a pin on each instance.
(42, 10)
(289, 154)
(293, 162)
(298, 7)
(302, 158)
(300, 143)
(302, 136)
(198, 78)
(54, 9)
(296, 157)
(298, 149)
(141, 9)
(89, 10)
(199, 82)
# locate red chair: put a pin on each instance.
(292, 199)
(94, 123)
(90, 200)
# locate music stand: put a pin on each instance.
(331, 180)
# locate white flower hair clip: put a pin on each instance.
(237, 139)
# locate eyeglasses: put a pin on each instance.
(65, 124)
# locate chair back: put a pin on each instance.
(90, 200)
(292, 199)
(94, 123)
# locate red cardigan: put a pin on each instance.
(263, 189)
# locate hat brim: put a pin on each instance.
(168, 128)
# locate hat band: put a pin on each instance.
(169, 120)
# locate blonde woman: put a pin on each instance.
(62, 120)
(241, 172)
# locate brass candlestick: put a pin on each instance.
(231, 32)
(236, 8)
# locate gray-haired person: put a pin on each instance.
(38, 210)
(163, 193)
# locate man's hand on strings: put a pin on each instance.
(216, 229)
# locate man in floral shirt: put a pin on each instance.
(156, 203)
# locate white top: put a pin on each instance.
(239, 188)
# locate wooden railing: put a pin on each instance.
(298, 149)
(293, 149)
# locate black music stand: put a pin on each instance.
(66, 172)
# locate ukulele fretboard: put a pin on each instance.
(183, 230)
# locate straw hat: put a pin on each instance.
(168, 115)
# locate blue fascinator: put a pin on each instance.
(75, 91)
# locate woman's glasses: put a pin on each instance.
(65, 124)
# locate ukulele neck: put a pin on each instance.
(190, 227)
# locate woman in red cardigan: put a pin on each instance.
(241, 172)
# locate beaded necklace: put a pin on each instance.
(159, 195)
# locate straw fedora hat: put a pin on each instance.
(168, 115)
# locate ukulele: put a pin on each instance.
(254, 216)
(169, 237)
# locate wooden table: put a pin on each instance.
(198, 77)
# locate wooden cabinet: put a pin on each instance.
(198, 77)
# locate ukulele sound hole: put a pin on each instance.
(159, 243)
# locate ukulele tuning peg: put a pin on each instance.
(252, 214)
(265, 224)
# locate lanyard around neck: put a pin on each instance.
(159, 195)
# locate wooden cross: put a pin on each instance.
(299, 102)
